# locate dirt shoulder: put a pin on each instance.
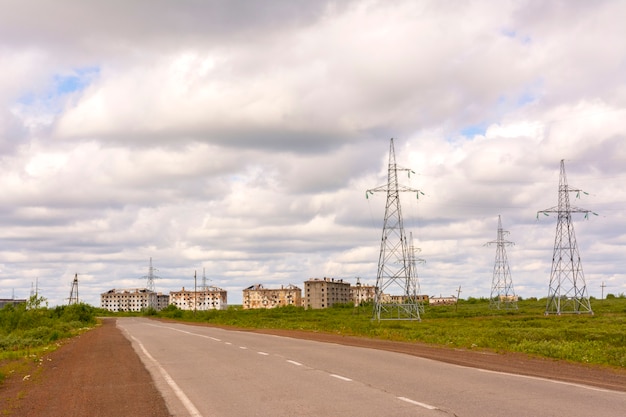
(95, 374)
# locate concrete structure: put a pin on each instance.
(257, 296)
(13, 301)
(134, 299)
(325, 292)
(212, 298)
(442, 300)
(362, 293)
(403, 299)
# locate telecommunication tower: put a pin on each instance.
(74, 291)
(502, 292)
(396, 295)
(567, 291)
(150, 286)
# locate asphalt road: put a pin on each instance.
(205, 371)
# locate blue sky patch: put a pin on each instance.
(75, 80)
(473, 130)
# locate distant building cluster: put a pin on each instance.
(318, 293)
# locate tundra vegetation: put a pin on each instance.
(30, 329)
(598, 339)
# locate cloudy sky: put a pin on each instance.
(239, 137)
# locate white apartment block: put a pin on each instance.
(212, 298)
(257, 296)
(133, 299)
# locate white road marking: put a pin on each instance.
(424, 405)
(263, 353)
(294, 363)
(227, 343)
(193, 411)
(243, 347)
(343, 378)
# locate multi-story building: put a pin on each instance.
(442, 300)
(362, 293)
(12, 301)
(325, 292)
(211, 298)
(257, 296)
(134, 299)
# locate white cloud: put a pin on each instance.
(242, 140)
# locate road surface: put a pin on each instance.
(206, 371)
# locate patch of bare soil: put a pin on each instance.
(96, 374)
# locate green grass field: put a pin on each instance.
(595, 339)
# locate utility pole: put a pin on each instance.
(458, 295)
(394, 263)
(603, 286)
(567, 291)
(195, 293)
(502, 291)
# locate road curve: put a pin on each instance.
(206, 371)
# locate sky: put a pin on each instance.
(235, 140)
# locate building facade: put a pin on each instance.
(325, 292)
(257, 296)
(134, 299)
(212, 298)
(360, 294)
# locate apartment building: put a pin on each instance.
(133, 299)
(257, 296)
(211, 298)
(325, 292)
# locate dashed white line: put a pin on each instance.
(294, 363)
(343, 378)
(243, 347)
(263, 353)
(424, 405)
(227, 343)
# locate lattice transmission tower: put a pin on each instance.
(567, 292)
(396, 296)
(74, 291)
(152, 296)
(502, 291)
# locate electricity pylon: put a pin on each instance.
(74, 291)
(567, 292)
(502, 292)
(150, 286)
(395, 275)
(413, 261)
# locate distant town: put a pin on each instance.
(318, 293)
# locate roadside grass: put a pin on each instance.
(594, 339)
(29, 331)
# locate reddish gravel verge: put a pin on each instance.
(98, 374)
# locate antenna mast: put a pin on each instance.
(502, 291)
(395, 271)
(567, 292)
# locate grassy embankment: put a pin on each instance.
(594, 339)
(29, 330)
